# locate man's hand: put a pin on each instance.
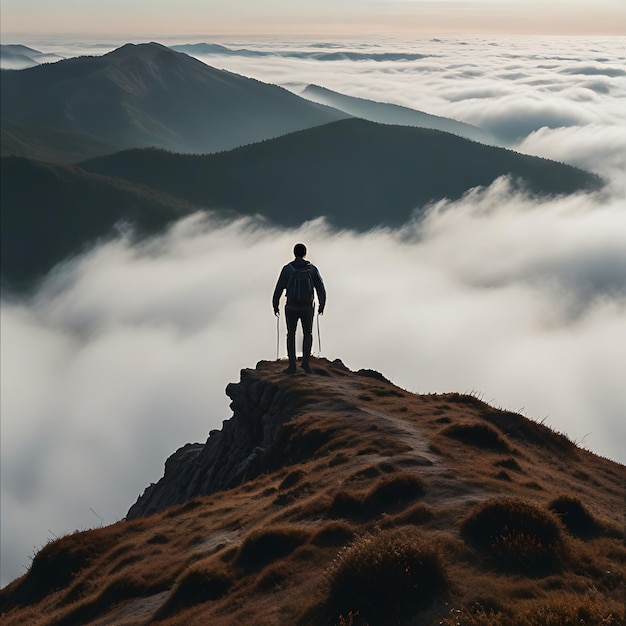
(276, 312)
(321, 311)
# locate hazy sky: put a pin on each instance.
(202, 17)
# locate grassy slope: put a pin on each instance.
(360, 174)
(400, 471)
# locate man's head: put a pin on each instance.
(299, 250)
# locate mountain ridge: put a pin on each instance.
(338, 497)
(252, 441)
(359, 174)
(142, 95)
(386, 113)
(18, 56)
(51, 212)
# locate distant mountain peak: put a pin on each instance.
(388, 113)
(201, 48)
(155, 55)
(142, 95)
(16, 47)
(139, 49)
(318, 89)
(18, 56)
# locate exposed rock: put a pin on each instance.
(246, 445)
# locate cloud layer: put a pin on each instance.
(122, 356)
(531, 93)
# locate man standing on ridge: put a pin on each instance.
(299, 278)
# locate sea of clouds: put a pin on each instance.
(122, 355)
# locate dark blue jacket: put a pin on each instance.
(283, 281)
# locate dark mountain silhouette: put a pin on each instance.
(17, 57)
(339, 498)
(386, 113)
(357, 173)
(50, 212)
(148, 95)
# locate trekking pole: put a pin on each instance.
(319, 337)
(277, 336)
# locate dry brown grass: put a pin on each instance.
(477, 434)
(389, 494)
(569, 609)
(265, 545)
(386, 577)
(202, 582)
(575, 516)
(334, 534)
(516, 534)
(416, 514)
(281, 548)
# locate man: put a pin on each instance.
(299, 278)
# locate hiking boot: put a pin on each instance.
(290, 370)
(306, 368)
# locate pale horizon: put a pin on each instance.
(192, 18)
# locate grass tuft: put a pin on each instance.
(272, 577)
(416, 514)
(391, 493)
(291, 479)
(385, 577)
(198, 584)
(569, 610)
(575, 517)
(180, 509)
(510, 464)
(57, 564)
(118, 590)
(515, 533)
(477, 434)
(333, 533)
(345, 504)
(267, 545)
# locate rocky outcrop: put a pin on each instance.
(248, 443)
(282, 420)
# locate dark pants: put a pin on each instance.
(306, 318)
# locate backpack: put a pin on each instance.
(300, 286)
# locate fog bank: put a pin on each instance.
(123, 354)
